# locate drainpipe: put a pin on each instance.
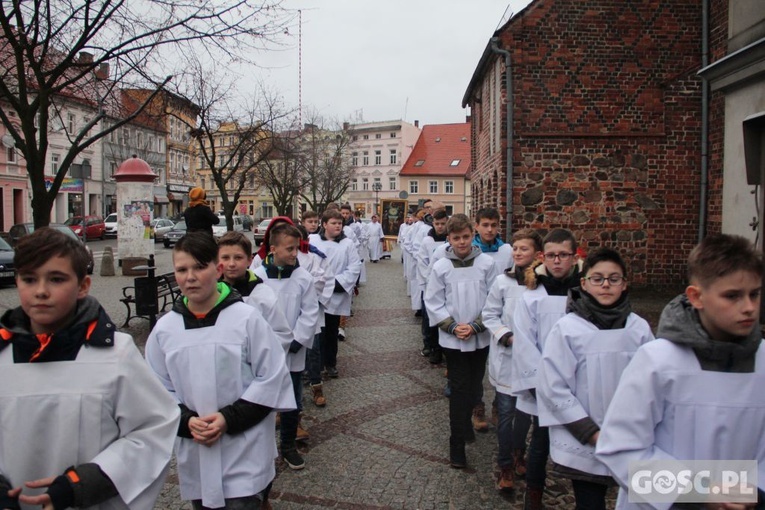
(509, 118)
(704, 121)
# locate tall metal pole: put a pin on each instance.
(300, 68)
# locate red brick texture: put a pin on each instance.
(607, 128)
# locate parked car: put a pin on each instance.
(260, 231)
(110, 225)
(220, 228)
(160, 227)
(7, 273)
(21, 229)
(175, 233)
(93, 225)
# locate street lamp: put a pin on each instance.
(376, 187)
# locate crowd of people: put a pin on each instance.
(86, 422)
(572, 364)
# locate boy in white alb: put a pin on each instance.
(83, 421)
(454, 296)
(297, 298)
(505, 292)
(696, 393)
(345, 264)
(221, 361)
(583, 358)
(375, 236)
(435, 237)
(541, 306)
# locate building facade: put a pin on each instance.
(438, 168)
(377, 152)
(15, 193)
(735, 77)
(587, 115)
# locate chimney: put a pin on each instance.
(468, 118)
(416, 123)
(346, 126)
(102, 73)
(85, 58)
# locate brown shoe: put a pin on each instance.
(519, 463)
(479, 418)
(318, 395)
(505, 480)
(302, 434)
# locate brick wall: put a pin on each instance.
(718, 35)
(606, 128)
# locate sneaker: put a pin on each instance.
(436, 357)
(479, 418)
(317, 391)
(332, 372)
(341, 334)
(425, 352)
(505, 480)
(293, 459)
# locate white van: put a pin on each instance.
(220, 229)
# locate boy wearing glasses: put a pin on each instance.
(583, 358)
(695, 393)
(541, 306)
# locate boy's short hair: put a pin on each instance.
(559, 236)
(236, 239)
(604, 254)
(330, 206)
(346, 207)
(282, 230)
(530, 234)
(457, 223)
(199, 245)
(440, 214)
(309, 214)
(719, 255)
(489, 213)
(35, 249)
(331, 214)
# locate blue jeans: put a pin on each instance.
(506, 412)
(290, 419)
(539, 451)
(313, 364)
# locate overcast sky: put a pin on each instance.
(396, 59)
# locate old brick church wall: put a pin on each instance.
(607, 123)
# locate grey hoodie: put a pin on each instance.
(680, 324)
(467, 261)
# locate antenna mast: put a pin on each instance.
(300, 68)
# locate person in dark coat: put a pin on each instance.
(198, 215)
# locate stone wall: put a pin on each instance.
(606, 134)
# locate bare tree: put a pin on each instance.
(282, 172)
(234, 136)
(54, 52)
(325, 166)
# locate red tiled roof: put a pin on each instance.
(437, 147)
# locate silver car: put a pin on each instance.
(160, 227)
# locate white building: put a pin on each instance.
(377, 151)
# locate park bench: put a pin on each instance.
(149, 295)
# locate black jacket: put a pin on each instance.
(200, 218)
